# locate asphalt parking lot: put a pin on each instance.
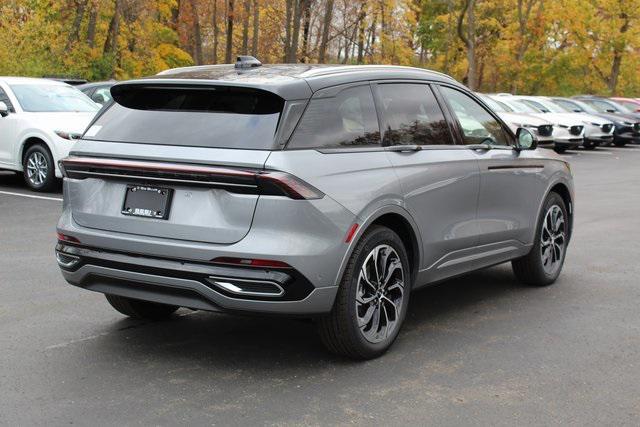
(479, 350)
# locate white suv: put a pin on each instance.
(39, 121)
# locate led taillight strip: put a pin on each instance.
(267, 182)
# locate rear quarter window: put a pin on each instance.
(346, 120)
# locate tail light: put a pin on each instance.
(237, 180)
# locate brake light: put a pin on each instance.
(282, 183)
(65, 238)
(250, 262)
(237, 180)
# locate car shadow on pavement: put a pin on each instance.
(10, 181)
(268, 342)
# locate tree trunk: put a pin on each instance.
(111, 43)
(361, 31)
(91, 26)
(326, 29)
(287, 29)
(618, 50)
(197, 33)
(245, 27)
(295, 37)
(256, 28)
(228, 51)
(306, 26)
(74, 35)
(216, 31)
(468, 37)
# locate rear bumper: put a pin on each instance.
(192, 284)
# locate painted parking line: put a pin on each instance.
(31, 196)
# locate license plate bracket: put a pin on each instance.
(147, 202)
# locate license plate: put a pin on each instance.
(148, 202)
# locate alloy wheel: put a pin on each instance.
(37, 168)
(552, 239)
(380, 293)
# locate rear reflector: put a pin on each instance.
(249, 262)
(65, 238)
(351, 232)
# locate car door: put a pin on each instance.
(440, 180)
(8, 130)
(512, 182)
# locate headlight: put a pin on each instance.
(71, 136)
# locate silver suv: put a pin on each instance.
(304, 190)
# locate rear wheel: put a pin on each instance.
(542, 266)
(38, 168)
(140, 309)
(372, 300)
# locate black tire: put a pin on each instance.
(41, 152)
(339, 330)
(560, 150)
(619, 143)
(140, 309)
(529, 269)
(589, 146)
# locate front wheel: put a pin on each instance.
(542, 266)
(372, 299)
(38, 168)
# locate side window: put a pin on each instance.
(346, 120)
(4, 98)
(411, 115)
(604, 107)
(102, 95)
(478, 126)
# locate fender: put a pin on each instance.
(370, 218)
(559, 177)
(24, 137)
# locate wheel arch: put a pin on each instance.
(30, 142)
(563, 191)
(400, 221)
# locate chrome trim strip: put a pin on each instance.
(223, 282)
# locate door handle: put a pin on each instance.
(485, 147)
(404, 148)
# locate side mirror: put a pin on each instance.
(4, 110)
(525, 140)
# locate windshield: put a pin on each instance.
(496, 105)
(575, 106)
(551, 106)
(40, 98)
(518, 106)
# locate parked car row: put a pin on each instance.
(568, 123)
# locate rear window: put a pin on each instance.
(211, 116)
